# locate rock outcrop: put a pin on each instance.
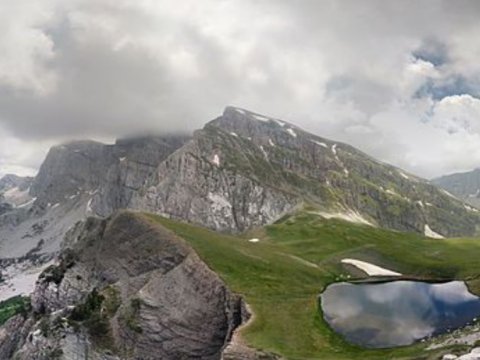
(127, 289)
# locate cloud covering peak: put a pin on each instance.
(400, 80)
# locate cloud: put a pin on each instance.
(382, 75)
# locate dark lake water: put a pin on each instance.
(397, 313)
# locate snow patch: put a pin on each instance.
(405, 176)
(264, 152)
(292, 133)
(432, 234)
(469, 208)
(319, 143)
(449, 194)
(281, 123)
(270, 142)
(370, 269)
(122, 159)
(261, 118)
(420, 202)
(391, 192)
(334, 149)
(240, 111)
(88, 209)
(254, 240)
(234, 134)
(216, 160)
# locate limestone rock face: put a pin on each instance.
(244, 169)
(194, 184)
(160, 301)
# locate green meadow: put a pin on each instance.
(282, 275)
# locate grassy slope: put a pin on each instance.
(282, 275)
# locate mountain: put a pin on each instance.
(465, 186)
(61, 195)
(244, 170)
(110, 282)
(126, 288)
(240, 171)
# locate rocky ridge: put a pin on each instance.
(125, 289)
(244, 169)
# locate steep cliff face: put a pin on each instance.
(244, 169)
(197, 184)
(127, 289)
(111, 172)
(76, 180)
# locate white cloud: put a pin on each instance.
(345, 70)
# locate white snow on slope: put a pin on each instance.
(292, 133)
(469, 208)
(405, 176)
(334, 149)
(234, 134)
(88, 209)
(351, 216)
(264, 152)
(370, 269)
(281, 123)
(240, 111)
(254, 240)
(271, 142)
(319, 143)
(216, 160)
(261, 118)
(449, 194)
(432, 234)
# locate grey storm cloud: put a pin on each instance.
(398, 79)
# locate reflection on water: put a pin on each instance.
(398, 312)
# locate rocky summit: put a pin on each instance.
(113, 285)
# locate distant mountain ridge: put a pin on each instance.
(465, 186)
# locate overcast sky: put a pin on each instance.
(398, 79)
